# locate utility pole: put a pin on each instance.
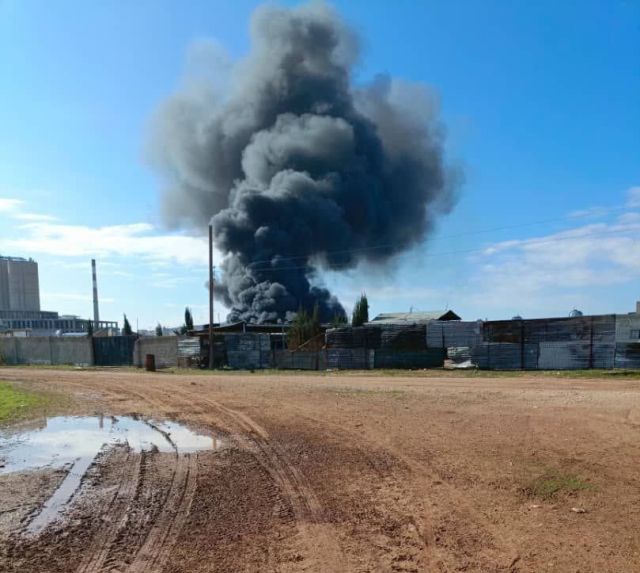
(211, 345)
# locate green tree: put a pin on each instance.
(126, 328)
(338, 320)
(360, 311)
(159, 330)
(188, 321)
(304, 327)
(364, 308)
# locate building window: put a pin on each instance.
(635, 335)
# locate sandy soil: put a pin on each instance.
(345, 474)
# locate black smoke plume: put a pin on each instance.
(298, 168)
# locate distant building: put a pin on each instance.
(20, 313)
(47, 323)
(19, 284)
(399, 318)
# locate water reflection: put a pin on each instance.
(74, 442)
(63, 440)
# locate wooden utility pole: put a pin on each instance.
(211, 344)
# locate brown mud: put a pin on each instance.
(343, 474)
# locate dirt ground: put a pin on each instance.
(345, 474)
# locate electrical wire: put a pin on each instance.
(526, 243)
(458, 235)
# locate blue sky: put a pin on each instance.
(541, 100)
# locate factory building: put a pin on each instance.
(19, 284)
(20, 313)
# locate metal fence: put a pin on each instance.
(572, 343)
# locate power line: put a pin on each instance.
(458, 235)
(526, 242)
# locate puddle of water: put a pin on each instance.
(74, 442)
(58, 442)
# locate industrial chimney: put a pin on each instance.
(96, 310)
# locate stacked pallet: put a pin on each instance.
(453, 334)
(248, 351)
(350, 359)
(409, 359)
(297, 360)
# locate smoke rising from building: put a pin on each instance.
(298, 167)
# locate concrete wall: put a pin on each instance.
(164, 348)
(46, 351)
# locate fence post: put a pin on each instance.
(591, 346)
(522, 345)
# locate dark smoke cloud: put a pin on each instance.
(293, 160)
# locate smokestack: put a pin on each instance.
(297, 167)
(96, 310)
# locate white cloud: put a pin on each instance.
(415, 294)
(82, 265)
(191, 306)
(134, 240)
(592, 212)
(168, 281)
(629, 218)
(13, 208)
(74, 297)
(9, 205)
(633, 197)
(34, 217)
(535, 274)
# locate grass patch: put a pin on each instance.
(555, 482)
(50, 367)
(17, 404)
(428, 373)
(362, 392)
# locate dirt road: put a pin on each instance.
(345, 474)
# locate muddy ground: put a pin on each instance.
(348, 474)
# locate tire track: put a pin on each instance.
(317, 541)
(424, 477)
(155, 549)
(307, 509)
(115, 515)
(152, 551)
(164, 532)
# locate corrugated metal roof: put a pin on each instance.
(413, 317)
